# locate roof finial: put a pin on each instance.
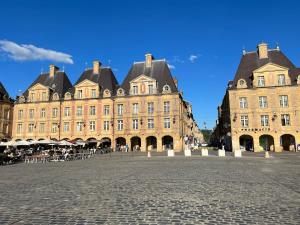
(86, 64)
(277, 46)
(244, 50)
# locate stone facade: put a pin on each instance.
(6, 114)
(261, 108)
(147, 111)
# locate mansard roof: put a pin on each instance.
(59, 83)
(105, 78)
(159, 71)
(251, 61)
(3, 92)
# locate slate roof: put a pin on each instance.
(59, 83)
(250, 62)
(3, 92)
(106, 79)
(159, 71)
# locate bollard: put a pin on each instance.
(267, 155)
(149, 154)
(221, 153)
(187, 152)
(204, 152)
(171, 153)
(237, 153)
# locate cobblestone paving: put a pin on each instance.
(136, 190)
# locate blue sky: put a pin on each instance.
(203, 41)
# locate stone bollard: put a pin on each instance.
(187, 152)
(171, 153)
(221, 153)
(149, 154)
(267, 155)
(237, 153)
(204, 152)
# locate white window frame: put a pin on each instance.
(283, 101)
(120, 125)
(244, 121)
(263, 102)
(92, 125)
(151, 123)
(264, 120)
(285, 120)
(281, 79)
(79, 110)
(243, 103)
(92, 110)
(106, 125)
(120, 109)
(167, 123)
(106, 110)
(261, 81)
(135, 108)
(135, 124)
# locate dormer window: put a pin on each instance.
(120, 92)
(106, 93)
(242, 82)
(93, 93)
(261, 81)
(55, 97)
(67, 96)
(135, 89)
(44, 96)
(150, 89)
(166, 89)
(281, 79)
(32, 97)
(79, 94)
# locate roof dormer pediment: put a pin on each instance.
(86, 83)
(38, 86)
(143, 78)
(270, 67)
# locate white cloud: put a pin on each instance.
(171, 67)
(193, 58)
(30, 52)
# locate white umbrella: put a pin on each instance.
(65, 143)
(21, 143)
(47, 142)
(9, 143)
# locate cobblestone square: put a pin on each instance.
(126, 189)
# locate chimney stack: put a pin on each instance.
(148, 60)
(262, 51)
(53, 69)
(96, 66)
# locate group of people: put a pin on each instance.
(122, 148)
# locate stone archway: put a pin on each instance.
(266, 142)
(135, 143)
(105, 142)
(151, 143)
(246, 142)
(120, 144)
(167, 142)
(288, 143)
(91, 142)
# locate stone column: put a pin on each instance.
(256, 145)
(235, 142)
(159, 144)
(143, 144)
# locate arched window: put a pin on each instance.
(67, 96)
(166, 89)
(106, 93)
(241, 83)
(55, 97)
(120, 92)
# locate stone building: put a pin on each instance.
(261, 107)
(145, 112)
(6, 114)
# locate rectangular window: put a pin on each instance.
(166, 107)
(43, 113)
(42, 128)
(79, 111)
(244, 121)
(120, 109)
(79, 126)
(79, 94)
(150, 107)
(44, 96)
(243, 103)
(30, 127)
(120, 124)
(167, 123)
(135, 89)
(150, 123)
(31, 113)
(264, 120)
(54, 112)
(263, 102)
(135, 124)
(93, 93)
(261, 81)
(67, 111)
(92, 125)
(285, 120)
(92, 110)
(281, 79)
(106, 125)
(66, 126)
(19, 128)
(20, 114)
(54, 127)
(106, 110)
(283, 100)
(150, 88)
(135, 108)
(32, 97)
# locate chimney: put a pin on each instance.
(175, 81)
(148, 60)
(53, 70)
(262, 51)
(96, 66)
